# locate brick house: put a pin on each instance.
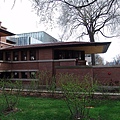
(21, 62)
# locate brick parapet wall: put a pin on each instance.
(104, 75)
(25, 66)
(5, 66)
(107, 75)
(76, 70)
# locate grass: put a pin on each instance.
(32, 108)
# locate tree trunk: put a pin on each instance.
(91, 36)
(93, 59)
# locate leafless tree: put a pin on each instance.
(48, 10)
(116, 60)
(99, 60)
(89, 17)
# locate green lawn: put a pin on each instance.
(31, 108)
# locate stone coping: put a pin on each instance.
(60, 92)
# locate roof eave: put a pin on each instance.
(4, 33)
(103, 46)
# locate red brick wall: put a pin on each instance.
(56, 63)
(107, 75)
(47, 66)
(5, 66)
(104, 75)
(45, 54)
(80, 71)
(25, 66)
(67, 63)
(76, 70)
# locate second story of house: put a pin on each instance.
(52, 51)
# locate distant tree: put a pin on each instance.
(107, 63)
(116, 60)
(89, 17)
(99, 60)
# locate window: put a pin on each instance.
(15, 75)
(67, 54)
(1, 75)
(8, 56)
(76, 54)
(59, 54)
(32, 55)
(8, 75)
(32, 75)
(1, 55)
(24, 74)
(24, 55)
(15, 56)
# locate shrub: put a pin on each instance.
(78, 94)
(10, 93)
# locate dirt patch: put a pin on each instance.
(8, 111)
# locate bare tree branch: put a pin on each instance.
(78, 7)
(92, 16)
(13, 4)
(108, 36)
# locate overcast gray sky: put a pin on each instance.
(22, 19)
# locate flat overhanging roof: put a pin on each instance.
(4, 33)
(88, 47)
